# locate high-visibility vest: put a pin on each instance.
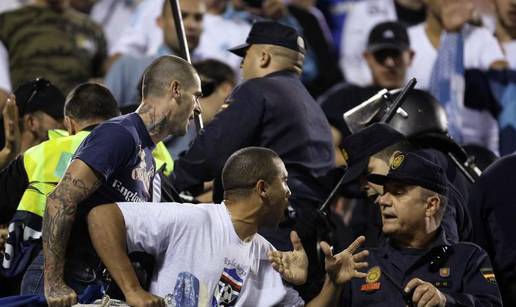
(45, 165)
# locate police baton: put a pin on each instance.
(183, 50)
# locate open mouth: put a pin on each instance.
(388, 216)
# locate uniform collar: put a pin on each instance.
(387, 245)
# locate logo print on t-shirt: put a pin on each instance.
(228, 289)
(140, 172)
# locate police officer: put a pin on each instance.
(273, 109)
(416, 264)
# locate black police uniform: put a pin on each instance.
(461, 271)
(492, 210)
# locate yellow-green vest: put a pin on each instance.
(46, 163)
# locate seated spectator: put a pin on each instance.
(40, 106)
(226, 264)
(362, 17)
(51, 40)
(506, 29)
(417, 265)
(124, 76)
(388, 56)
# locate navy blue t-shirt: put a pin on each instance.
(120, 152)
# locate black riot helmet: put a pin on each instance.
(419, 114)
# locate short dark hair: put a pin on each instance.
(90, 100)
(158, 75)
(216, 71)
(248, 165)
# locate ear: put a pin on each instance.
(261, 187)
(174, 89)
(30, 122)
(160, 22)
(265, 59)
(410, 56)
(433, 205)
(70, 125)
(225, 89)
(368, 56)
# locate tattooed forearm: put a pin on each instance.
(58, 221)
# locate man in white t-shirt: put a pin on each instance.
(506, 29)
(211, 254)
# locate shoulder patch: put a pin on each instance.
(488, 275)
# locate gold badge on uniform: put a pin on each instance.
(396, 162)
(372, 278)
(444, 272)
(488, 275)
(373, 275)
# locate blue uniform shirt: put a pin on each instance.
(465, 276)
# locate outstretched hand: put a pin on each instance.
(344, 266)
(293, 265)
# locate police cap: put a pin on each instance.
(271, 33)
(412, 169)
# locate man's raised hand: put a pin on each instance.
(344, 266)
(293, 265)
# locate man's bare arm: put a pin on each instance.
(78, 182)
(108, 234)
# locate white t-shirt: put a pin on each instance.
(481, 49)
(200, 258)
(5, 76)
(361, 19)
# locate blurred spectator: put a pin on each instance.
(145, 36)
(480, 47)
(51, 40)
(445, 27)
(361, 19)
(388, 56)
(114, 16)
(124, 75)
(319, 40)
(506, 29)
(41, 105)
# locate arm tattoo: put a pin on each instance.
(58, 221)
